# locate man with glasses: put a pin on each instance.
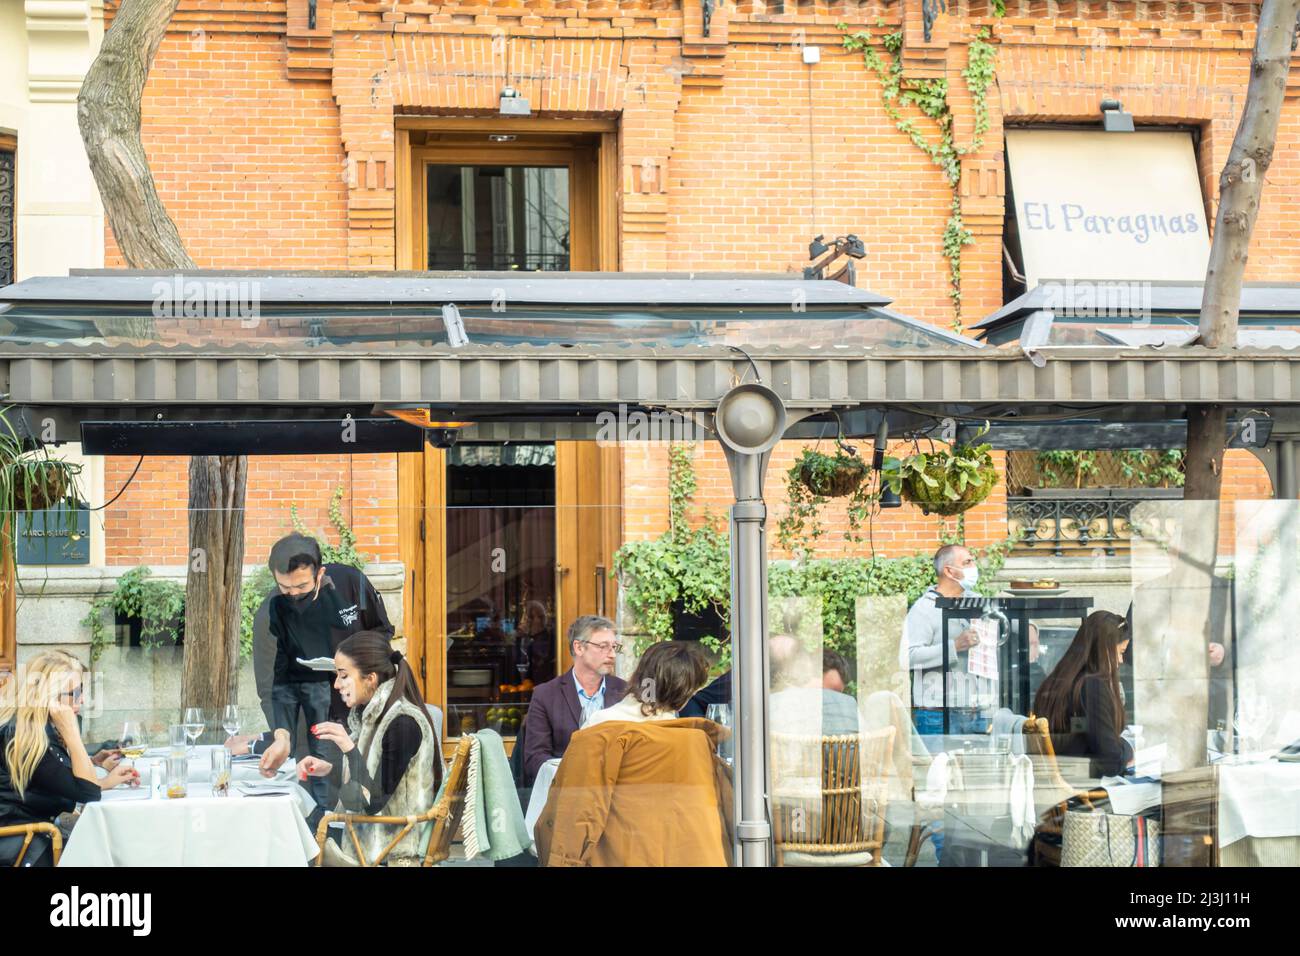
(560, 706)
(315, 607)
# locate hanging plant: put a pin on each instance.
(831, 476)
(814, 478)
(944, 482)
(31, 480)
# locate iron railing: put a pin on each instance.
(1070, 519)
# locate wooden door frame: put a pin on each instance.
(422, 476)
(463, 136)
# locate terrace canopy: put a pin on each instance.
(118, 358)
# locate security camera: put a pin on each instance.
(443, 437)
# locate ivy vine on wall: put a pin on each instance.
(930, 97)
(691, 568)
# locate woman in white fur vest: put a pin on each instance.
(391, 761)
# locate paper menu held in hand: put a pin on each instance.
(319, 664)
(982, 659)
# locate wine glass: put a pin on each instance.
(721, 714)
(194, 724)
(132, 740)
(230, 720)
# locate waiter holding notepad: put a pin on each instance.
(318, 605)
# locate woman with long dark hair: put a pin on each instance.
(392, 762)
(1081, 697)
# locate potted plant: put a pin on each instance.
(816, 477)
(944, 482)
(830, 476)
(31, 480)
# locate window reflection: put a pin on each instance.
(500, 583)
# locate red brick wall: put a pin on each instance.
(149, 523)
(273, 145)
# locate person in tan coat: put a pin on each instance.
(640, 794)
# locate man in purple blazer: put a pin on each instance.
(560, 706)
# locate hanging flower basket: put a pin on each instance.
(945, 482)
(830, 476)
(931, 500)
(38, 485)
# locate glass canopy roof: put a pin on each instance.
(1128, 314)
(374, 313)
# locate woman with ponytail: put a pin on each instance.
(44, 768)
(392, 761)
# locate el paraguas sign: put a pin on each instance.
(1097, 205)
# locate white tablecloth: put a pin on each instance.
(1258, 800)
(537, 801)
(139, 827)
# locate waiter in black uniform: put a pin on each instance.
(318, 605)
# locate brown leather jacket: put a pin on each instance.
(640, 794)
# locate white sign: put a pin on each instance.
(1097, 205)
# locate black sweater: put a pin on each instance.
(347, 603)
(53, 789)
(1092, 732)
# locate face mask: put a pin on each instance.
(970, 577)
(300, 602)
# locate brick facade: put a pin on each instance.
(275, 145)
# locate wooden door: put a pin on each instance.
(589, 502)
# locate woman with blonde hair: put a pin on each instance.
(44, 767)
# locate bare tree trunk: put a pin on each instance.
(212, 586)
(108, 113)
(1241, 185)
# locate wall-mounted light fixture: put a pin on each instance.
(512, 104)
(1114, 119)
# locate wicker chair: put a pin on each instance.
(29, 830)
(1038, 744)
(844, 824)
(444, 815)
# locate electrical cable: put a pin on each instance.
(757, 376)
(121, 491)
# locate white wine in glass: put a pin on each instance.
(132, 740)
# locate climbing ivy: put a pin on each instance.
(930, 97)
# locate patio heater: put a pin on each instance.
(749, 421)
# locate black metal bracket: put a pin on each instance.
(930, 10)
(311, 14)
(707, 7)
(849, 245)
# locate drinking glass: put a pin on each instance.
(220, 772)
(176, 739)
(131, 743)
(194, 724)
(176, 777)
(230, 720)
(721, 714)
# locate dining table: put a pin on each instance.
(258, 822)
